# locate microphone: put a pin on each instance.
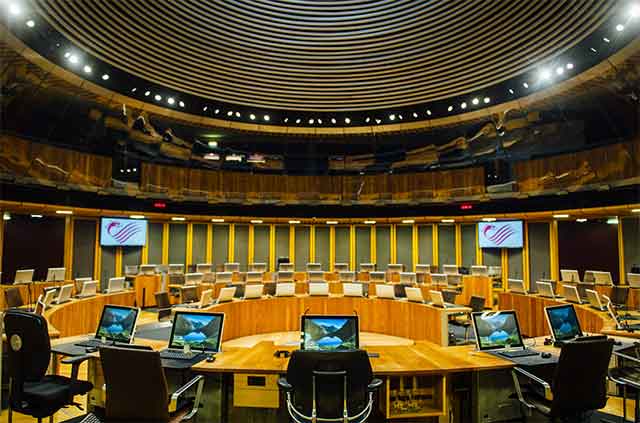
(306, 311)
(355, 312)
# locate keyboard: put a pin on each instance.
(91, 418)
(178, 355)
(518, 353)
(92, 343)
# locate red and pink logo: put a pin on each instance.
(498, 234)
(123, 232)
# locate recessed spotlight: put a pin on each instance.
(216, 111)
(320, 121)
(559, 70)
(448, 220)
(229, 113)
(64, 212)
(524, 84)
(105, 77)
(171, 100)
(347, 120)
(157, 97)
(450, 108)
(311, 121)
(298, 120)
(593, 50)
(31, 23)
(67, 54)
(237, 114)
(286, 120)
(36, 216)
(266, 118)
(147, 93)
(511, 91)
(475, 101)
(134, 89)
(488, 219)
(569, 66)
(428, 112)
(256, 221)
(619, 27)
(368, 119)
(252, 116)
(87, 69)
(331, 222)
(369, 222)
(581, 220)
(178, 219)
(545, 75)
(217, 220)
(606, 40)
(6, 216)
(14, 9)
(378, 121)
(294, 222)
(408, 221)
(486, 100)
(560, 216)
(73, 59)
(400, 117)
(613, 221)
(333, 120)
(463, 105)
(136, 216)
(392, 117)
(181, 104)
(415, 115)
(204, 109)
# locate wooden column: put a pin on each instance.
(68, 246)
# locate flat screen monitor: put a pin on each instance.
(122, 232)
(330, 333)
(55, 274)
(118, 323)
(497, 330)
(563, 322)
(507, 234)
(201, 331)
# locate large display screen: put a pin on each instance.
(330, 333)
(500, 234)
(497, 330)
(123, 232)
(201, 331)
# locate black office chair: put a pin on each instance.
(329, 386)
(13, 298)
(31, 392)
(163, 303)
(576, 389)
(136, 388)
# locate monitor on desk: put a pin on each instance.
(497, 330)
(64, 295)
(286, 267)
(318, 289)
(545, 289)
(148, 269)
(47, 298)
(284, 276)
(203, 268)
(423, 268)
(385, 291)
(224, 277)
(162, 268)
(287, 289)
(408, 278)
(479, 270)
(438, 279)
(193, 278)
(589, 277)
(200, 331)
(253, 291)
(206, 298)
(131, 270)
(340, 267)
(633, 279)
(571, 294)
(55, 274)
(115, 285)
(378, 277)
(118, 323)
(315, 276)
(603, 278)
(450, 269)
(330, 333)
(314, 267)
(395, 268)
(254, 277)
(454, 279)
(367, 267)
(347, 276)
(568, 275)
(176, 268)
(23, 276)
(563, 322)
(89, 289)
(516, 286)
(232, 267)
(257, 267)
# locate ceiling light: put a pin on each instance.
(320, 121)
(400, 117)
(475, 101)
(212, 144)
(233, 158)
(392, 117)
(560, 216)
(31, 23)
(569, 66)
(237, 114)
(229, 113)
(158, 97)
(14, 9)
(256, 221)
(428, 112)
(256, 158)
(286, 120)
(463, 105)
(486, 100)
(87, 69)
(545, 74)
(524, 84)
(581, 220)
(6, 216)
(378, 121)
(267, 118)
(298, 120)
(634, 10)
(408, 221)
(178, 219)
(67, 54)
(606, 40)
(612, 221)
(64, 212)
(136, 216)
(311, 121)
(368, 119)
(181, 104)
(73, 59)
(619, 27)
(216, 111)
(294, 222)
(252, 116)
(559, 70)
(105, 77)
(331, 222)
(171, 100)
(204, 109)
(369, 222)
(593, 50)
(347, 120)
(448, 220)
(450, 108)
(415, 115)
(211, 156)
(511, 91)
(635, 210)
(134, 89)
(333, 120)
(217, 220)
(36, 216)
(147, 93)
(488, 219)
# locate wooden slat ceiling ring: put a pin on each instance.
(338, 55)
(562, 89)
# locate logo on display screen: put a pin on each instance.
(500, 234)
(125, 232)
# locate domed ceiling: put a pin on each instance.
(331, 62)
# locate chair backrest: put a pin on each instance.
(13, 298)
(579, 381)
(29, 350)
(476, 303)
(136, 385)
(329, 389)
(619, 294)
(449, 296)
(162, 299)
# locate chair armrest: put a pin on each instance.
(197, 381)
(374, 385)
(75, 364)
(284, 385)
(548, 395)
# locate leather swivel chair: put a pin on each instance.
(578, 386)
(163, 303)
(31, 391)
(329, 386)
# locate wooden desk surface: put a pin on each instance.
(33, 290)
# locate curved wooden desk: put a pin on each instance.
(531, 316)
(282, 314)
(81, 316)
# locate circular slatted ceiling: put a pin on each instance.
(330, 55)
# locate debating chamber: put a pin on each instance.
(319, 211)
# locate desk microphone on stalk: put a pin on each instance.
(306, 311)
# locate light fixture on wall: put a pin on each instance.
(581, 220)
(36, 216)
(488, 219)
(613, 221)
(369, 222)
(217, 220)
(408, 221)
(561, 216)
(256, 221)
(64, 212)
(294, 222)
(136, 216)
(331, 222)
(178, 219)
(448, 220)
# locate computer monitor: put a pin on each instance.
(414, 295)
(450, 269)
(115, 285)
(204, 267)
(55, 274)
(188, 294)
(79, 282)
(454, 279)
(423, 268)
(47, 298)
(89, 289)
(495, 271)
(385, 291)
(257, 267)
(563, 322)
(545, 289)
(340, 267)
(633, 279)
(118, 323)
(314, 267)
(23, 276)
(285, 267)
(395, 268)
(193, 278)
(226, 294)
(200, 331)
(131, 269)
(206, 298)
(284, 276)
(378, 277)
(318, 289)
(254, 277)
(569, 275)
(367, 267)
(253, 291)
(352, 290)
(285, 289)
(65, 294)
(315, 276)
(148, 269)
(438, 279)
(603, 278)
(176, 268)
(589, 277)
(329, 333)
(347, 276)
(408, 278)
(162, 268)
(232, 267)
(224, 277)
(497, 330)
(516, 286)
(571, 294)
(478, 270)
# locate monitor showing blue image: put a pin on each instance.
(200, 331)
(563, 322)
(330, 333)
(496, 330)
(117, 323)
